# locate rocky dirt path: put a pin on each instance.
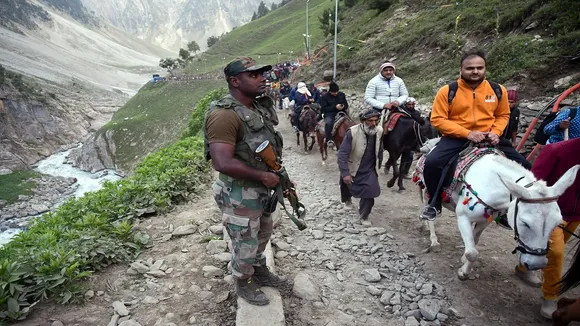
(341, 274)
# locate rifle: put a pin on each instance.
(285, 188)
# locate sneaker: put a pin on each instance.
(249, 291)
(295, 129)
(429, 213)
(502, 221)
(330, 143)
(366, 223)
(548, 307)
(528, 277)
(348, 203)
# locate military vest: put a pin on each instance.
(258, 126)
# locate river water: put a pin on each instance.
(54, 165)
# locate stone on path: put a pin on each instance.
(386, 297)
(216, 246)
(57, 323)
(411, 321)
(184, 230)
(373, 290)
(139, 267)
(129, 322)
(271, 314)
(304, 288)
(426, 289)
(217, 229)
(114, 320)
(157, 265)
(371, 275)
(429, 308)
(150, 300)
(120, 308)
(223, 257)
(317, 234)
(212, 271)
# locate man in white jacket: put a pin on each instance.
(385, 90)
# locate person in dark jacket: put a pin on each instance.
(315, 92)
(330, 104)
(554, 160)
(302, 97)
(511, 131)
(409, 107)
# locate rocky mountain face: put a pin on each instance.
(33, 127)
(171, 24)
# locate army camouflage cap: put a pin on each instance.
(242, 64)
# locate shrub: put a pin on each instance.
(195, 125)
(83, 235)
(380, 5)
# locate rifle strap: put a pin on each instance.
(297, 207)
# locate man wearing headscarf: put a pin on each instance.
(359, 159)
(385, 90)
(330, 104)
(301, 98)
(409, 107)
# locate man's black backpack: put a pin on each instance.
(541, 137)
(453, 90)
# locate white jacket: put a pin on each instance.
(381, 91)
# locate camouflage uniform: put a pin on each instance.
(243, 202)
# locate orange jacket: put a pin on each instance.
(471, 110)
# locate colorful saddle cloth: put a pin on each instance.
(466, 159)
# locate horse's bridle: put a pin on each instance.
(521, 246)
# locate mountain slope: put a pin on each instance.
(172, 23)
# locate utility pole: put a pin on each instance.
(335, 38)
(307, 35)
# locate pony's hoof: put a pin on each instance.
(401, 189)
(391, 183)
(461, 275)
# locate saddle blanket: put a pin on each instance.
(392, 121)
(466, 159)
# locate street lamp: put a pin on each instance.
(335, 38)
(307, 35)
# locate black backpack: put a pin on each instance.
(541, 137)
(453, 90)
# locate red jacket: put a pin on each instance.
(554, 160)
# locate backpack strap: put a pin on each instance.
(452, 91)
(496, 89)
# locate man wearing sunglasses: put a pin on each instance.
(234, 127)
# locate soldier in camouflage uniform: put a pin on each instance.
(234, 127)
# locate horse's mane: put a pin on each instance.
(511, 168)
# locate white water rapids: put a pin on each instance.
(54, 165)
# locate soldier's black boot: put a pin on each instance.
(249, 291)
(262, 276)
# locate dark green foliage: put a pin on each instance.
(350, 3)
(262, 9)
(16, 183)
(273, 6)
(86, 234)
(2, 74)
(184, 54)
(254, 16)
(212, 40)
(380, 5)
(193, 46)
(327, 21)
(169, 64)
(195, 125)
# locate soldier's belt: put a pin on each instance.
(240, 183)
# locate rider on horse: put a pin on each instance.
(409, 107)
(331, 104)
(477, 113)
(302, 97)
(385, 90)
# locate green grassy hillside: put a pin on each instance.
(155, 117)
(280, 31)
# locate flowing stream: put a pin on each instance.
(54, 165)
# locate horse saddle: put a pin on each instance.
(338, 120)
(465, 160)
(392, 120)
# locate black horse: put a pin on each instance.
(307, 125)
(407, 136)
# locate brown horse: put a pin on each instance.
(345, 123)
(307, 126)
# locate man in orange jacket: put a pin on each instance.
(474, 114)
